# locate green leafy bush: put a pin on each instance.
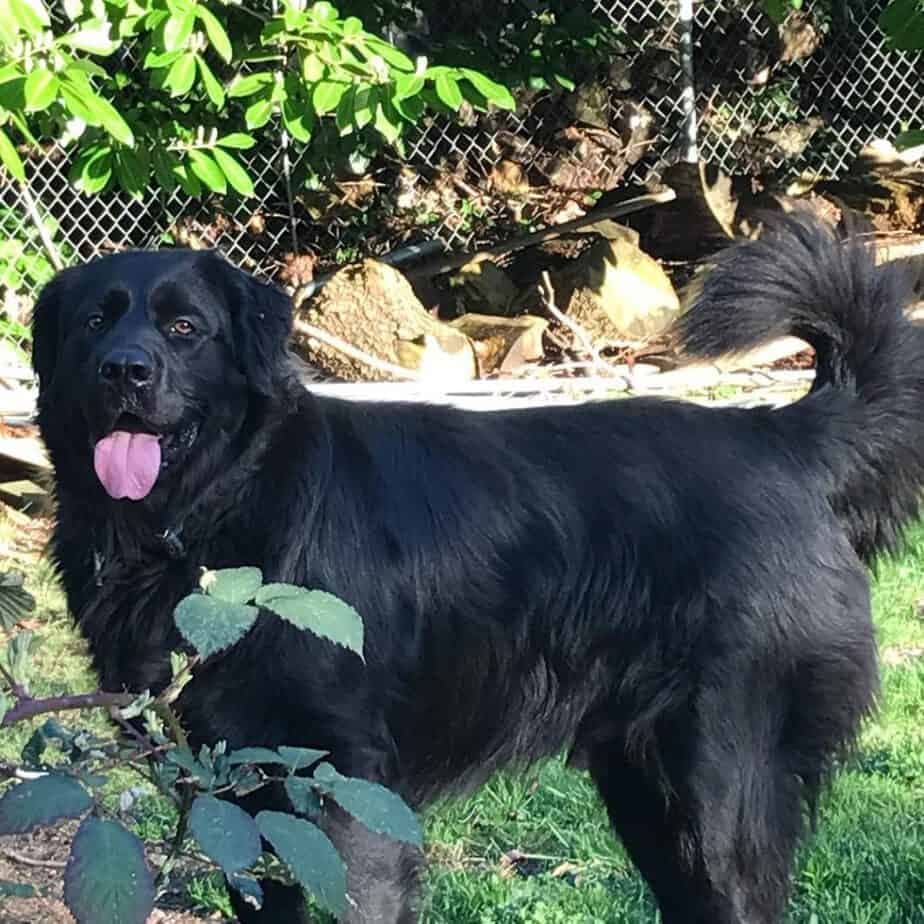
(174, 90)
(107, 879)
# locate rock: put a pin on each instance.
(484, 287)
(503, 344)
(372, 307)
(617, 291)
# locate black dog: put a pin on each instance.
(675, 595)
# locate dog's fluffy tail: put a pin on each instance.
(864, 418)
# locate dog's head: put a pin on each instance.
(137, 353)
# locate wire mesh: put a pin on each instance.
(779, 100)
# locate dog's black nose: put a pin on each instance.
(127, 366)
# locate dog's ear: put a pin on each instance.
(261, 321)
(45, 328)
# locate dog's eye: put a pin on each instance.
(95, 322)
(182, 328)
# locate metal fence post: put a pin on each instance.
(685, 12)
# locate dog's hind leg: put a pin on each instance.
(715, 840)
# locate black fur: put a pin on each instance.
(675, 595)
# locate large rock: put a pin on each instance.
(372, 307)
(618, 292)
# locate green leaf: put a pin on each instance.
(303, 795)
(40, 90)
(235, 174)
(92, 173)
(42, 802)
(252, 83)
(378, 808)
(387, 122)
(17, 890)
(391, 55)
(10, 158)
(258, 113)
(29, 15)
(255, 756)
(352, 26)
(315, 610)
(211, 625)
(182, 74)
(313, 68)
(154, 60)
(407, 85)
(299, 758)
(490, 89)
(903, 23)
(187, 180)
(909, 139)
(132, 169)
(238, 140)
(298, 119)
(106, 880)
(311, 857)
(218, 37)
(447, 89)
(323, 11)
(225, 832)
(177, 30)
(164, 163)
(94, 36)
(326, 95)
(15, 602)
(233, 585)
(213, 88)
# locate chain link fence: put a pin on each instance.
(768, 100)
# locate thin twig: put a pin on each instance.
(311, 332)
(586, 341)
(32, 208)
(33, 861)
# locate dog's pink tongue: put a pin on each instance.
(127, 464)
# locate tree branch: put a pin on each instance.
(27, 707)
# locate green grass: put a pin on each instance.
(533, 848)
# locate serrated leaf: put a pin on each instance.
(107, 880)
(299, 758)
(315, 610)
(238, 140)
(40, 90)
(249, 888)
(233, 585)
(211, 625)
(42, 802)
(218, 37)
(213, 88)
(225, 832)
(376, 807)
(181, 75)
(310, 856)
(303, 796)
(254, 756)
(235, 174)
(447, 89)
